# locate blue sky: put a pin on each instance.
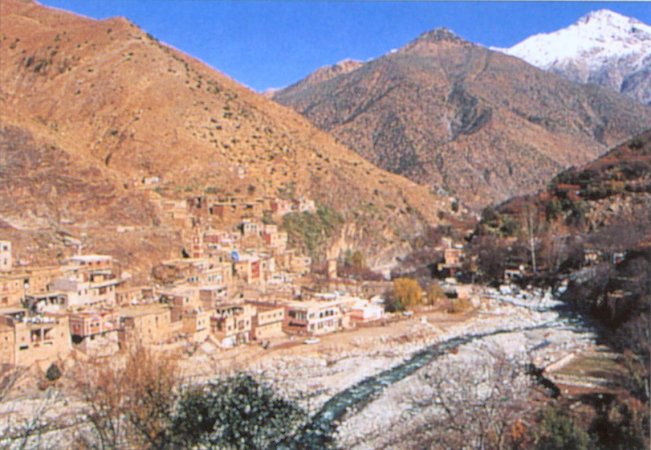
(265, 44)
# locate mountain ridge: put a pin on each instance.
(448, 113)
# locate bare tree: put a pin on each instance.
(26, 420)
(9, 377)
(127, 404)
(532, 227)
(479, 408)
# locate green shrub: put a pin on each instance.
(553, 209)
(392, 303)
(53, 372)
(312, 231)
(558, 432)
(239, 412)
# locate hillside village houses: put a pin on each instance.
(235, 284)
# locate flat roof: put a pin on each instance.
(90, 258)
(93, 312)
(185, 261)
(314, 303)
(143, 310)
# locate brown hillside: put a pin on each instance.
(483, 125)
(103, 105)
(607, 201)
(612, 189)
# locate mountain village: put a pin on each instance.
(445, 246)
(233, 286)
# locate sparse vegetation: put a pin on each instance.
(53, 373)
(557, 431)
(459, 305)
(312, 231)
(406, 293)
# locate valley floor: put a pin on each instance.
(316, 373)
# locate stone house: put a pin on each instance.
(268, 320)
(39, 339)
(231, 324)
(314, 317)
(95, 332)
(147, 324)
(273, 238)
(364, 311)
(12, 290)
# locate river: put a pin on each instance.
(354, 399)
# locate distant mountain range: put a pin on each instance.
(603, 48)
(451, 114)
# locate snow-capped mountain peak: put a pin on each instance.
(602, 47)
(600, 34)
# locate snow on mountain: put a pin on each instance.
(602, 47)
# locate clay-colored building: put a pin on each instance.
(273, 238)
(180, 299)
(134, 294)
(39, 339)
(212, 296)
(453, 260)
(12, 290)
(196, 324)
(315, 317)
(301, 264)
(281, 206)
(268, 320)
(39, 279)
(231, 324)
(88, 280)
(248, 269)
(87, 289)
(25, 284)
(250, 228)
(201, 271)
(95, 332)
(146, 324)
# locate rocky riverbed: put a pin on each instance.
(528, 330)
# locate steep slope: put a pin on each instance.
(483, 125)
(598, 197)
(112, 106)
(53, 203)
(603, 48)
